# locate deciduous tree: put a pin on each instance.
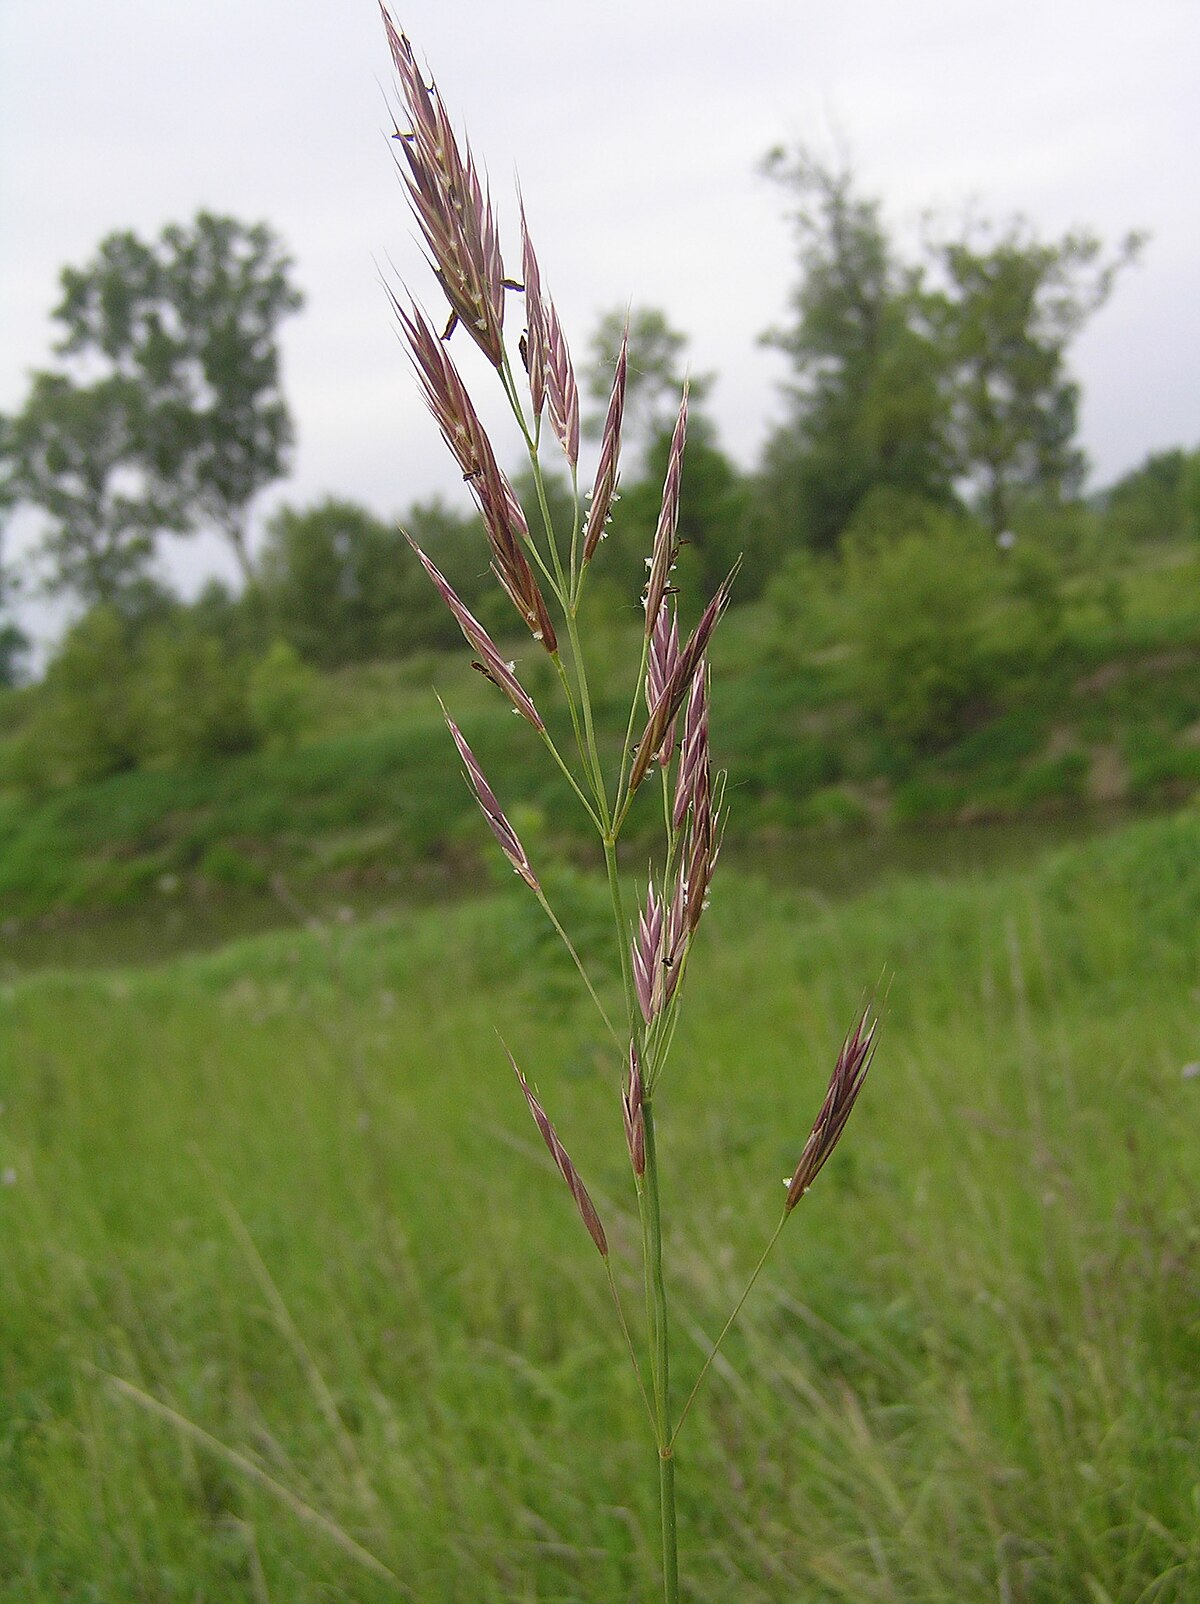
(168, 414)
(1011, 306)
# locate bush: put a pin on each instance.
(123, 694)
(280, 696)
(917, 613)
(194, 698)
(90, 718)
(805, 597)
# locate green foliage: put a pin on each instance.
(193, 696)
(280, 696)
(924, 376)
(807, 598)
(185, 421)
(1011, 307)
(90, 720)
(342, 586)
(918, 605)
(867, 406)
(189, 322)
(1154, 502)
(156, 690)
(75, 452)
(1031, 627)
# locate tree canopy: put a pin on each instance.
(168, 414)
(940, 377)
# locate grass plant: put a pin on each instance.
(544, 570)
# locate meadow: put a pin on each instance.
(296, 1309)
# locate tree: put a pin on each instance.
(170, 415)
(341, 586)
(867, 405)
(1010, 308)
(75, 452)
(1151, 502)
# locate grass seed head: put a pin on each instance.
(534, 348)
(490, 663)
(587, 1209)
(635, 1122)
(666, 542)
(604, 490)
(845, 1083)
(452, 207)
(647, 956)
(678, 683)
(692, 782)
(660, 664)
(503, 520)
(562, 392)
(507, 838)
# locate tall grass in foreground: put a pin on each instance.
(544, 569)
(978, 1378)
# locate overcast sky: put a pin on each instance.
(637, 127)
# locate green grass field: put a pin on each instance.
(291, 1191)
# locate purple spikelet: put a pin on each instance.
(587, 1209)
(604, 490)
(635, 1123)
(451, 205)
(506, 836)
(666, 543)
(845, 1083)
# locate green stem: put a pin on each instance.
(629, 1348)
(589, 728)
(727, 1327)
(614, 890)
(660, 1360)
(558, 758)
(621, 809)
(554, 580)
(583, 974)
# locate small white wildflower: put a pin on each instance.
(8, 1177)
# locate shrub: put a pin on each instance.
(280, 696)
(917, 614)
(90, 719)
(193, 695)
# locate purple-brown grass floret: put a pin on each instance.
(452, 207)
(562, 392)
(678, 685)
(693, 755)
(635, 1121)
(534, 349)
(503, 521)
(666, 543)
(647, 956)
(845, 1083)
(489, 663)
(587, 1209)
(507, 838)
(660, 664)
(604, 490)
